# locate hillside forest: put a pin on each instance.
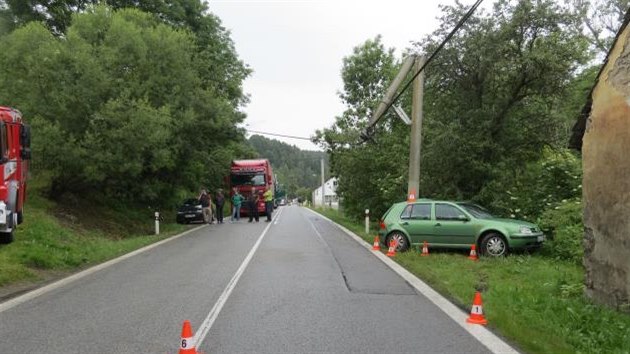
(298, 171)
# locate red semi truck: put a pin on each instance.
(245, 174)
(15, 152)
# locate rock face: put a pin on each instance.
(606, 183)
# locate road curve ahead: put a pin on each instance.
(296, 285)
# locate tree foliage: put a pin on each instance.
(125, 104)
(370, 175)
(494, 99)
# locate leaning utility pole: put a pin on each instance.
(415, 144)
(391, 91)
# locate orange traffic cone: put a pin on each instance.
(392, 248)
(187, 344)
(377, 244)
(425, 249)
(473, 253)
(476, 313)
(412, 196)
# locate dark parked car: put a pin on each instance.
(189, 211)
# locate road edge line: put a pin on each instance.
(74, 277)
(482, 334)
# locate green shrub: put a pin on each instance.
(526, 193)
(564, 229)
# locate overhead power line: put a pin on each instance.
(280, 135)
(367, 133)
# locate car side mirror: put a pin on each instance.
(463, 218)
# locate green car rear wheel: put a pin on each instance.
(401, 241)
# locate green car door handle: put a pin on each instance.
(405, 223)
(438, 224)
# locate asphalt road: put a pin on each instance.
(307, 288)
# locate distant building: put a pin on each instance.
(330, 198)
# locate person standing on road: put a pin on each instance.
(205, 201)
(237, 199)
(219, 201)
(252, 204)
(268, 195)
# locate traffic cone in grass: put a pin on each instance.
(187, 344)
(377, 244)
(476, 313)
(392, 248)
(473, 253)
(425, 249)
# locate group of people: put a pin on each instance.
(252, 201)
(212, 207)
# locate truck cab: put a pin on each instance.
(15, 153)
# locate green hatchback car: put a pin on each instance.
(447, 224)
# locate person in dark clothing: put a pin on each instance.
(206, 206)
(252, 205)
(219, 200)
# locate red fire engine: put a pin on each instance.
(15, 151)
(245, 174)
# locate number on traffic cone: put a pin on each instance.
(187, 343)
(473, 253)
(476, 312)
(392, 248)
(425, 249)
(377, 244)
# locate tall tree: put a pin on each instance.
(122, 106)
(370, 175)
(493, 89)
(491, 104)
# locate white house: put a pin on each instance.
(330, 197)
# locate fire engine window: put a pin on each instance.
(252, 180)
(4, 147)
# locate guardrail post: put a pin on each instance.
(367, 221)
(157, 222)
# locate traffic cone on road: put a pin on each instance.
(392, 248)
(187, 344)
(476, 313)
(473, 253)
(377, 244)
(425, 249)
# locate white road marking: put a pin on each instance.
(216, 309)
(481, 333)
(65, 281)
(277, 218)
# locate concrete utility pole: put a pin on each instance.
(415, 144)
(391, 91)
(323, 184)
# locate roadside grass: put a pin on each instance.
(535, 302)
(54, 240)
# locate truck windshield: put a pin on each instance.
(252, 180)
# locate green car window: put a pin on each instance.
(447, 212)
(406, 213)
(421, 211)
(477, 211)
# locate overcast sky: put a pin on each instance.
(296, 47)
